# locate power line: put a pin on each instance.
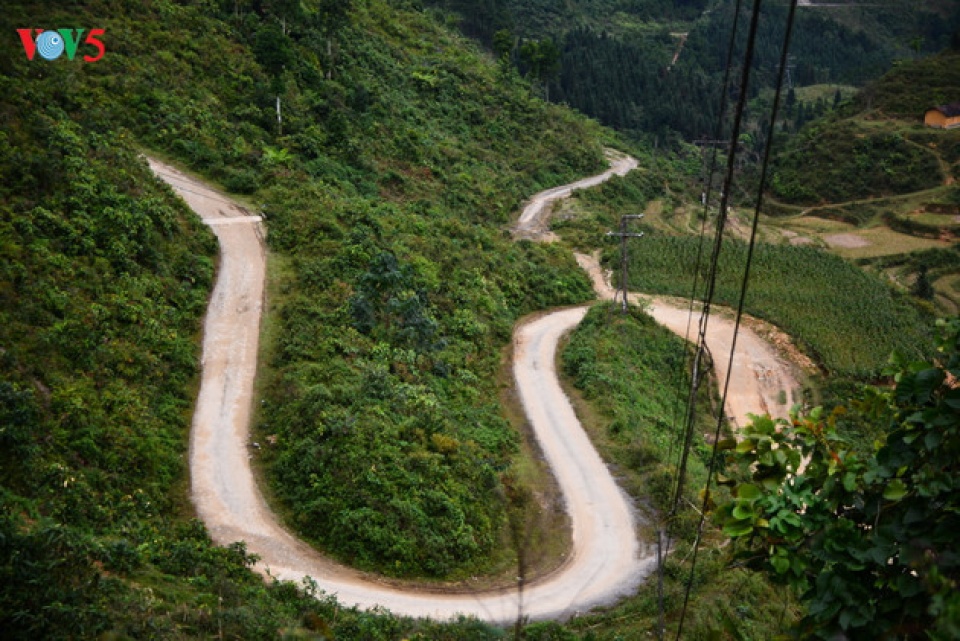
(707, 190)
(746, 274)
(718, 244)
(695, 381)
(697, 373)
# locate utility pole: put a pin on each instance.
(791, 65)
(703, 143)
(661, 624)
(279, 119)
(624, 235)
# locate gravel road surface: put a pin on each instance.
(761, 381)
(605, 561)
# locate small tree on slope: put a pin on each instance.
(870, 543)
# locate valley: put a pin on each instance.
(327, 315)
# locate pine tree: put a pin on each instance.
(922, 288)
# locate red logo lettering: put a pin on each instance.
(92, 39)
(29, 43)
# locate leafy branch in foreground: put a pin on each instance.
(869, 542)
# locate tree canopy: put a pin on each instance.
(868, 540)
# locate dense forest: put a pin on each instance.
(656, 68)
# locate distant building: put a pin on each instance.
(943, 117)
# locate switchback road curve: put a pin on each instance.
(604, 563)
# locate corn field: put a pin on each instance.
(849, 320)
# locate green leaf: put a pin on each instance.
(740, 527)
(895, 490)
(743, 511)
(724, 480)
(727, 444)
(746, 445)
(780, 563)
(850, 482)
(749, 492)
(763, 424)
(771, 483)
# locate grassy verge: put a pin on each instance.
(623, 374)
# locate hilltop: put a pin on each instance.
(655, 68)
(878, 183)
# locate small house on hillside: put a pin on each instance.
(943, 117)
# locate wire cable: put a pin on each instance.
(746, 274)
(696, 375)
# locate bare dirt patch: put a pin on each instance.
(846, 241)
(796, 239)
(767, 366)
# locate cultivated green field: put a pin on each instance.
(849, 320)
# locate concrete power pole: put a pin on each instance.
(704, 143)
(623, 234)
(791, 66)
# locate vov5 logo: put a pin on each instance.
(51, 44)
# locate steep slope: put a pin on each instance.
(604, 561)
(656, 67)
(401, 152)
(873, 183)
(876, 145)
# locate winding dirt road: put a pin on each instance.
(606, 560)
(762, 381)
(534, 221)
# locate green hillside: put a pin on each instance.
(909, 89)
(401, 154)
(872, 172)
(653, 67)
(876, 145)
(387, 154)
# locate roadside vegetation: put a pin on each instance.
(387, 155)
(388, 446)
(816, 296)
(401, 154)
(630, 371)
(631, 390)
(864, 535)
(805, 291)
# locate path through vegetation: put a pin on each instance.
(606, 560)
(762, 379)
(604, 563)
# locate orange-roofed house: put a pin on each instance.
(943, 117)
